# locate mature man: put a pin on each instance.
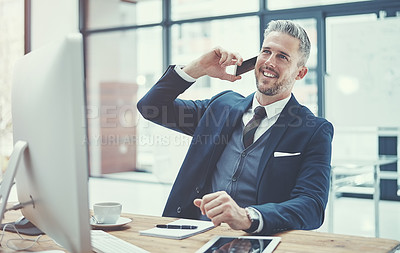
(264, 173)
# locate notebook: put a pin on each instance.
(202, 226)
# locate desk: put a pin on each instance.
(352, 171)
(292, 241)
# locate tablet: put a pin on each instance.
(240, 244)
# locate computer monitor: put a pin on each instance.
(48, 110)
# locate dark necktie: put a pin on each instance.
(251, 127)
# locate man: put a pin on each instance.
(271, 178)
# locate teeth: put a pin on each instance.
(268, 75)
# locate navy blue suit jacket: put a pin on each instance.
(292, 191)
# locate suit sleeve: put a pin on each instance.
(306, 207)
(161, 105)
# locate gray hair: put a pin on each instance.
(294, 30)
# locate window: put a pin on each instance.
(306, 90)
(190, 40)
(188, 9)
(130, 43)
(289, 4)
(364, 82)
(121, 65)
(11, 48)
(119, 13)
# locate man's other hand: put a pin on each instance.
(219, 207)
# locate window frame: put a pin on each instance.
(320, 13)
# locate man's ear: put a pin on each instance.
(302, 73)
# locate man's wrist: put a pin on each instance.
(256, 219)
(183, 74)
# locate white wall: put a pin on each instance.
(52, 19)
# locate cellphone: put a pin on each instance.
(246, 66)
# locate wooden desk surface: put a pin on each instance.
(292, 241)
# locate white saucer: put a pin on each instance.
(120, 222)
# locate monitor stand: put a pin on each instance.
(22, 226)
(9, 175)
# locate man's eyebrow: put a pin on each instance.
(282, 52)
(285, 54)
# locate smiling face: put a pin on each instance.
(277, 67)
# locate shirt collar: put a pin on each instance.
(272, 109)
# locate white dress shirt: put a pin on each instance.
(273, 111)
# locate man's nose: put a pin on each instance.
(270, 61)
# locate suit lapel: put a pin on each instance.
(277, 131)
(233, 118)
(235, 115)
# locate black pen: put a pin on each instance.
(177, 226)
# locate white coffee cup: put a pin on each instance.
(107, 212)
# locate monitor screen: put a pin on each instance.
(48, 110)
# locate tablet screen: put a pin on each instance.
(243, 244)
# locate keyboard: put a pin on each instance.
(103, 242)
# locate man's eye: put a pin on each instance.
(283, 57)
(267, 52)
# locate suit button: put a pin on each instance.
(234, 179)
(197, 190)
(179, 209)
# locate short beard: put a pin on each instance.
(272, 91)
(278, 88)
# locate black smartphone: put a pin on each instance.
(246, 66)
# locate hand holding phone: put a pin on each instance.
(246, 66)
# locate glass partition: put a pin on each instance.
(362, 90)
(120, 68)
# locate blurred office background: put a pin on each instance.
(353, 81)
